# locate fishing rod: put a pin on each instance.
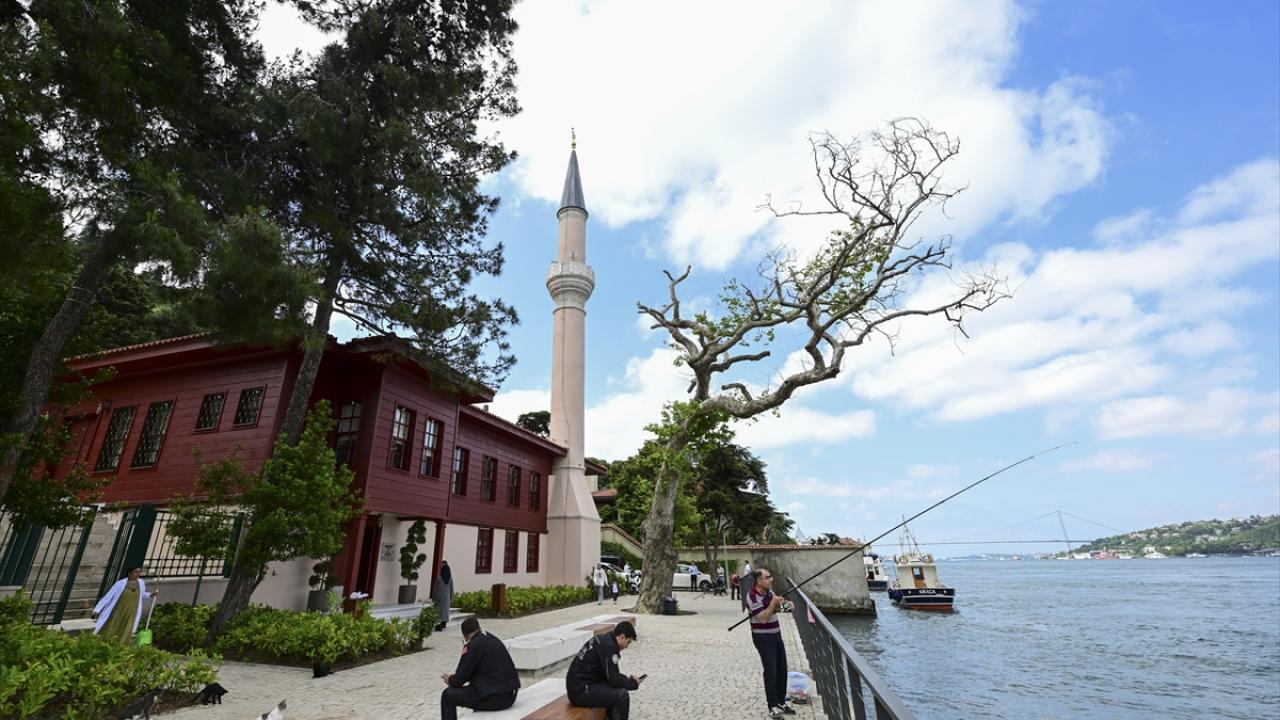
(869, 543)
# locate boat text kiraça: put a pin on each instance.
(917, 586)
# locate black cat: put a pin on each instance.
(141, 706)
(211, 694)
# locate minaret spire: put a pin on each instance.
(573, 525)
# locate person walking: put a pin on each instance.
(745, 581)
(486, 678)
(442, 594)
(600, 580)
(766, 635)
(119, 611)
(615, 591)
(594, 678)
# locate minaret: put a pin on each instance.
(573, 525)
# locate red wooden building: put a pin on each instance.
(416, 452)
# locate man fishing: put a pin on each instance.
(766, 635)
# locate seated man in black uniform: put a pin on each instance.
(594, 679)
(486, 677)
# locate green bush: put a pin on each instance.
(611, 548)
(44, 673)
(290, 637)
(524, 600)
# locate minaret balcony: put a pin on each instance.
(570, 283)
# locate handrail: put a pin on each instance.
(840, 672)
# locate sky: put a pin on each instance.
(1120, 165)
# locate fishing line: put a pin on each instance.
(867, 544)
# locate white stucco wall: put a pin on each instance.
(460, 551)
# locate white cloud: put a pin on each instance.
(1094, 325)
(1109, 461)
(1219, 412)
(1125, 227)
(698, 133)
(281, 31)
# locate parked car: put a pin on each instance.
(632, 578)
(680, 580)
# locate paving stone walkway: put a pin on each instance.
(697, 671)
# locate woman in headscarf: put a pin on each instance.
(442, 593)
(119, 611)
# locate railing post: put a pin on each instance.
(855, 691)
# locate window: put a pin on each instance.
(113, 443)
(348, 432)
(249, 406)
(401, 431)
(535, 491)
(484, 551)
(511, 563)
(153, 429)
(431, 439)
(488, 478)
(513, 486)
(461, 457)
(210, 411)
(531, 554)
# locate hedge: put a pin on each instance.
(49, 674)
(523, 600)
(288, 637)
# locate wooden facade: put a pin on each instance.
(384, 437)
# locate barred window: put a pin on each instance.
(461, 458)
(401, 431)
(510, 561)
(484, 551)
(249, 406)
(535, 491)
(348, 432)
(431, 441)
(531, 554)
(210, 411)
(113, 443)
(488, 478)
(153, 430)
(513, 486)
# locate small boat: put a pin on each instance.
(917, 586)
(1197, 555)
(876, 579)
(1155, 555)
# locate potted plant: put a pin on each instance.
(322, 580)
(411, 561)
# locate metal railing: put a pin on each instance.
(43, 561)
(843, 677)
(144, 539)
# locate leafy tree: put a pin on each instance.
(730, 494)
(537, 422)
(780, 530)
(371, 159)
(106, 113)
(853, 288)
(633, 479)
(297, 503)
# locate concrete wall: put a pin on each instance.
(285, 586)
(841, 590)
(460, 551)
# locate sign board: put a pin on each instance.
(388, 552)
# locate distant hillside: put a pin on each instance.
(1235, 536)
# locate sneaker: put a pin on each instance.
(786, 708)
(776, 712)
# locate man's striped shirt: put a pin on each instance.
(757, 602)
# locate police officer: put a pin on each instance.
(594, 679)
(486, 677)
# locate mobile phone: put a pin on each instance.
(642, 677)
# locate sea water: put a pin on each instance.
(1050, 640)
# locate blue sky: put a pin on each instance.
(1121, 168)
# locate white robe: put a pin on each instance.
(108, 603)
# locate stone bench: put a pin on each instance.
(545, 700)
(539, 651)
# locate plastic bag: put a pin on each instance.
(798, 686)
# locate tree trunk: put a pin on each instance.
(240, 587)
(243, 582)
(312, 353)
(45, 356)
(659, 536)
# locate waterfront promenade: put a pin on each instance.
(696, 670)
